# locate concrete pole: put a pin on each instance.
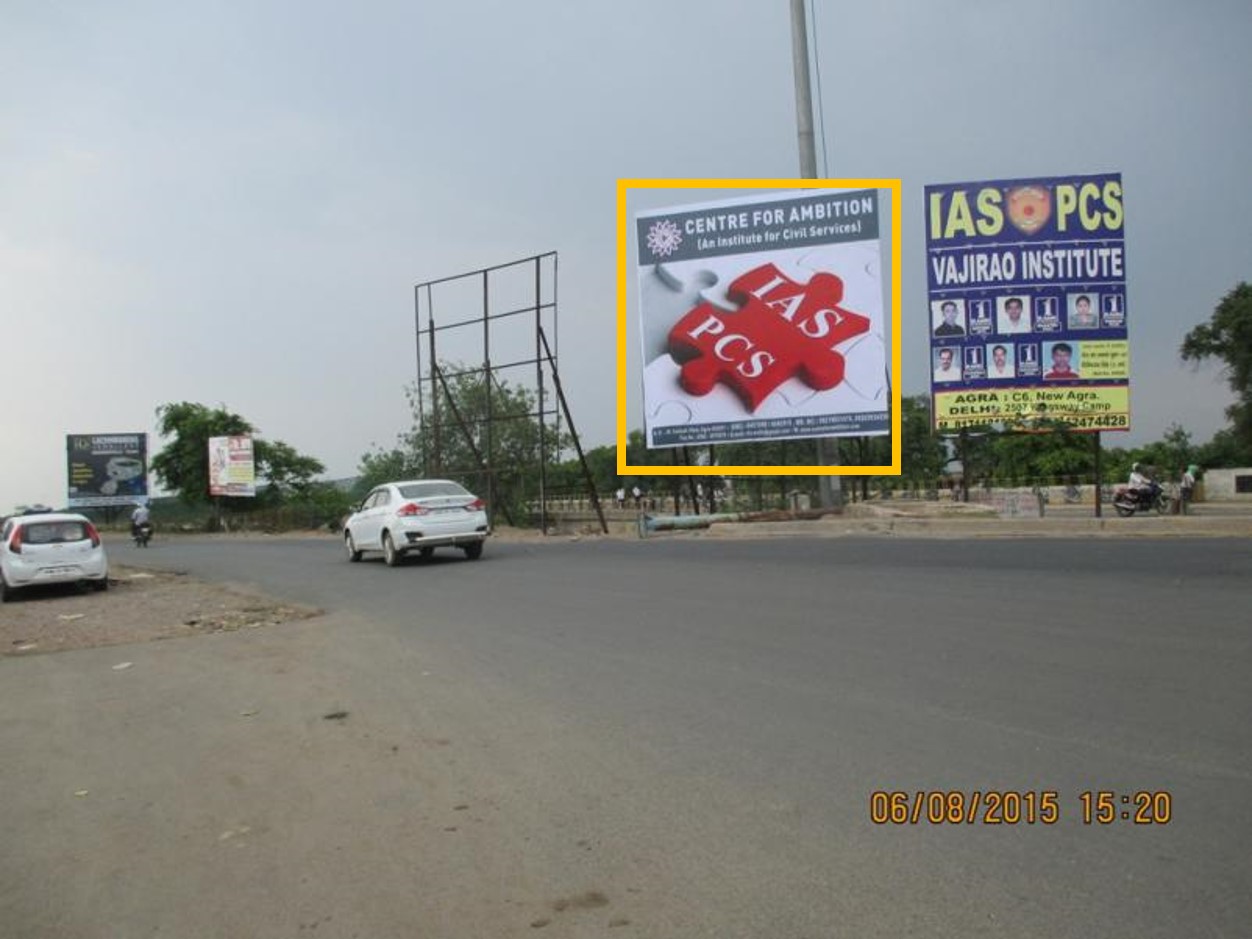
(830, 487)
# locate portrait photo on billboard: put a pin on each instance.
(1062, 360)
(1001, 361)
(947, 364)
(948, 318)
(1083, 310)
(1012, 314)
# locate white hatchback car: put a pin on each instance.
(51, 548)
(418, 515)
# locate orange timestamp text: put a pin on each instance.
(1015, 807)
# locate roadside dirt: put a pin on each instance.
(139, 606)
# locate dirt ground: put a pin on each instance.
(139, 606)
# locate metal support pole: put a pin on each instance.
(830, 487)
(491, 475)
(691, 483)
(434, 398)
(578, 447)
(417, 340)
(543, 447)
(1099, 479)
(465, 431)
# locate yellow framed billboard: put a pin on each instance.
(761, 317)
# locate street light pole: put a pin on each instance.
(829, 487)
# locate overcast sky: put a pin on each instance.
(230, 203)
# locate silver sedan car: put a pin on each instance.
(416, 516)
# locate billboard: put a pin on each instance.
(106, 469)
(1027, 312)
(761, 318)
(232, 471)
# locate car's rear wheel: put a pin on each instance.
(353, 554)
(6, 592)
(102, 584)
(393, 557)
(473, 551)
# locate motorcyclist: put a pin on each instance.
(137, 518)
(1141, 484)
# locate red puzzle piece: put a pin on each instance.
(782, 329)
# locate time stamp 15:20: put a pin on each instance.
(1014, 807)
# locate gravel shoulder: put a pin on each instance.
(139, 606)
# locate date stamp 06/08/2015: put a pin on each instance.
(1017, 807)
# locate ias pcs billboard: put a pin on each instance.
(1027, 313)
(762, 318)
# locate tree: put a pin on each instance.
(1170, 455)
(182, 466)
(1228, 336)
(381, 466)
(922, 453)
(452, 438)
(1225, 449)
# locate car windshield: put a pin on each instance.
(427, 490)
(53, 532)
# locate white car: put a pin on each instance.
(51, 548)
(418, 515)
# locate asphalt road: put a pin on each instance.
(664, 738)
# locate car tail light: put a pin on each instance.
(15, 543)
(476, 506)
(411, 509)
(93, 535)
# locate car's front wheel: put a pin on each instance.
(390, 554)
(353, 554)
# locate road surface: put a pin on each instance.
(677, 737)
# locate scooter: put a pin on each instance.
(1128, 501)
(142, 533)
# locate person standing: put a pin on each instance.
(1186, 487)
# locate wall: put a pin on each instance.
(1220, 484)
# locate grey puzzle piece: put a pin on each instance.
(666, 299)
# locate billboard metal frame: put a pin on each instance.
(431, 413)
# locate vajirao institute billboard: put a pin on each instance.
(1028, 318)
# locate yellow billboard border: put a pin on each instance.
(624, 185)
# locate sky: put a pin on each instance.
(231, 203)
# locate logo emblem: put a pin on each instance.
(1030, 207)
(664, 238)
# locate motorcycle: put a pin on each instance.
(142, 533)
(1128, 501)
